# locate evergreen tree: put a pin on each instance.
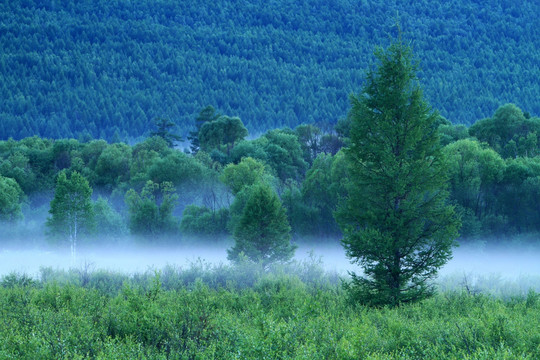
(164, 128)
(263, 232)
(208, 114)
(395, 220)
(71, 209)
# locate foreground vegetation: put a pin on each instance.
(243, 312)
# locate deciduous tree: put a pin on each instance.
(150, 212)
(71, 209)
(207, 114)
(10, 200)
(224, 132)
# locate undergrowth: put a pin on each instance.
(295, 311)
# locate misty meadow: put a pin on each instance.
(262, 215)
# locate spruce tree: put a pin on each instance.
(396, 222)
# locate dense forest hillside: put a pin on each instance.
(107, 69)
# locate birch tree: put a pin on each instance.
(71, 212)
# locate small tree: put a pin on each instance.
(245, 173)
(263, 232)
(109, 222)
(71, 209)
(10, 200)
(150, 212)
(396, 222)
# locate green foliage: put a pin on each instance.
(319, 193)
(11, 196)
(150, 212)
(109, 223)
(395, 220)
(113, 165)
(279, 149)
(475, 173)
(111, 68)
(177, 168)
(299, 214)
(284, 154)
(71, 212)
(164, 131)
(262, 233)
(227, 312)
(310, 138)
(200, 221)
(451, 133)
(246, 173)
(222, 134)
(519, 199)
(509, 132)
(17, 166)
(208, 114)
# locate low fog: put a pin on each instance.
(468, 262)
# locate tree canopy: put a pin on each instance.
(108, 70)
(10, 200)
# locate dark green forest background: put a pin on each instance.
(107, 69)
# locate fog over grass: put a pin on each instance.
(475, 268)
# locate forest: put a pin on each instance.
(107, 69)
(128, 127)
(159, 193)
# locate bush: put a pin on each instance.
(228, 312)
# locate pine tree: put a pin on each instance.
(164, 131)
(263, 232)
(208, 114)
(71, 209)
(396, 221)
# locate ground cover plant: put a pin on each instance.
(294, 311)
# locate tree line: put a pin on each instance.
(493, 169)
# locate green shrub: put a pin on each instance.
(294, 311)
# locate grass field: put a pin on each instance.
(297, 311)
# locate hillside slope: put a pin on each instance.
(100, 68)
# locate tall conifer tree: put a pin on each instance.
(396, 221)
